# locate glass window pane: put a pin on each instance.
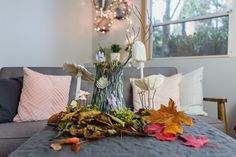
(167, 10)
(196, 38)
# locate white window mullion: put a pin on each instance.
(231, 34)
(198, 18)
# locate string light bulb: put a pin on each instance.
(107, 11)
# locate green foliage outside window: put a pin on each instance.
(210, 36)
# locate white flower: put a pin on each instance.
(73, 103)
(82, 95)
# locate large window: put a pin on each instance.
(190, 27)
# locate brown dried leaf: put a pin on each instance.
(153, 117)
(56, 146)
(68, 116)
(71, 140)
(75, 147)
(55, 118)
(89, 114)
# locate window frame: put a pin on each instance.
(146, 5)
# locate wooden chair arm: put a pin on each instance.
(220, 109)
(218, 100)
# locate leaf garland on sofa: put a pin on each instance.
(87, 123)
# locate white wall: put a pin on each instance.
(219, 73)
(45, 32)
(117, 34)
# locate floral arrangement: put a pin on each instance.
(82, 124)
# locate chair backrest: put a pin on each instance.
(12, 72)
(130, 72)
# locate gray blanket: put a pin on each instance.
(220, 145)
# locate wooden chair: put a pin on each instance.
(220, 109)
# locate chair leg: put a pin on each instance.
(222, 114)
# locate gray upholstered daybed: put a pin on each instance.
(14, 134)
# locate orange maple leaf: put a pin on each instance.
(170, 117)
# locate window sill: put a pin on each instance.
(194, 57)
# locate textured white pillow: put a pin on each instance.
(191, 93)
(169, 88)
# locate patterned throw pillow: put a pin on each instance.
(42, 95)
(168, 88)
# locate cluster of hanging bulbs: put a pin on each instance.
(109, 10)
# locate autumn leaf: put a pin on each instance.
(75, 147)
(165, 136)
(56, 146)
(55, 118)
(72, 140)
(173, 125)
(170, 117)
(68, 116)
(157, 130)
(154, 128)
(193, 141)
(154, 116)
(171, 108)
(89, 114)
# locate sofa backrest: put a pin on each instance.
(12, 72)
(130, 72)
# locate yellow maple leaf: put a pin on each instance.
(170, 117)
(153, 117)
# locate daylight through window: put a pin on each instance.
(190, 27)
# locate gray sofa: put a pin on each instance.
(14, 134)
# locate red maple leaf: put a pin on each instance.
(157, 130)
(154, 128)
(193, 141)
(165, 136)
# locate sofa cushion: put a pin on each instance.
(161, 90)
(212, 121)
(42, 95)
(10, 91)
(9, 145)
(191, 93)
(15, 130)
(12, 135)
(10, 72)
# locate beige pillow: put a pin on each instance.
(42, 95)
(169, 88)
(191, 93)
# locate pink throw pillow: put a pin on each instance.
(42, 95)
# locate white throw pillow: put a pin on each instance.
(169, 88)
(191, 93)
